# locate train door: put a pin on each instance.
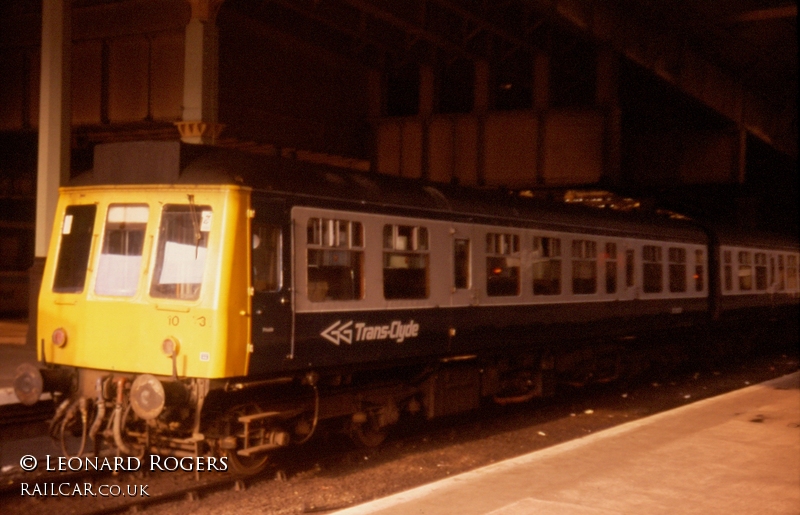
(629, 279)
(462, 287)
(272, 285)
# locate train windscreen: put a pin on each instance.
(121, 258)
(182, 250)
(73, 253)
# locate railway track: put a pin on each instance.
(14, 414)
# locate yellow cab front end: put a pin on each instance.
(148, 280)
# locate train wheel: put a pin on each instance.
(243, 465)
(368, 434)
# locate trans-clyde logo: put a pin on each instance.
(348, 332)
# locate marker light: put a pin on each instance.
(59, 337)
(170, 347)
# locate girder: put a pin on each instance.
(739, 58)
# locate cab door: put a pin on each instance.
(272, 286)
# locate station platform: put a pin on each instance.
(13, 351)
(735, 454)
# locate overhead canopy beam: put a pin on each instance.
(412, 29)
(774, 13)
(695, 75)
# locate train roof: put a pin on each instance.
(172, 162)
(737, 237)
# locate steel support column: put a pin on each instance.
(199, 122)
(54, 136)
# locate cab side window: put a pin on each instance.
(267, 244)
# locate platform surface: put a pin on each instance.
(13, 351)
(13, 332)
(735, 454)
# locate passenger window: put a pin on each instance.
(182, 250)
(652, 268)
(630, 268)
(461, 264)
(677, 269)
(761, 270)
(791, 272)
(611, 267)
(728, 270)
(267, 243)
(123, 242)
(73, 252)
(546, 266)
(502, 264)
(405, 262)
(699, 270)
(584, 266)
(745, 271)
(781, 273)
(335, 260)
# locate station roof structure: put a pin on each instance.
(717, 52)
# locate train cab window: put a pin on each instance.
(611, 267)
(182, 250)
(652, 268)
(761, 270)
(335, 260)
(405, 262)
(677, 269)
(546, 266)
(267, 254)
(502, 264)
(461, 264)
(73, 253)
(791, 273)
(745, 271)
(630, 268)
(781, 281)
(727, 270)
(123, 242)
(699, 270)
(584, 266)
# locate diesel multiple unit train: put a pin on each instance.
(202, 301)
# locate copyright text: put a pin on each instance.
(82, 490)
